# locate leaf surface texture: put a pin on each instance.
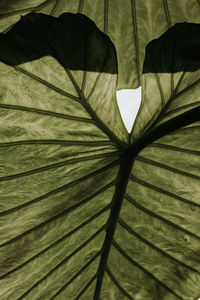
(84, 213)
(130, 28)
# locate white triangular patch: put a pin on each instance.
(129, 102)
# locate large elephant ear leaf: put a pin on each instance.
(77, 220)
(155, 251)
(131, 25)
(60, 154)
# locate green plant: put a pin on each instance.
(88, 211)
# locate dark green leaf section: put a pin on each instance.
(74, 34)
(170, 79)
(141, 20)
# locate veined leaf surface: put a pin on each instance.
(170, 82)
(131, 24)
(84, 214)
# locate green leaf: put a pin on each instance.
(84, 214)
(130, 28)
(171, 80)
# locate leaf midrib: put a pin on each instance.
(126, 164)
(127, 160)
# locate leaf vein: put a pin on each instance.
(136, 39)
(46, 112)
(56, 267)
(47, 84)
(163, 166)
(162, 219)
(174, 148)
(59, 142)
(133, 262)
(49, 221)
(56, 165)
(117, 284)
(134, 233)
(105, 16)
(181, 107)
(54, 7)
(86, 287)
(162, 191)
(182, 92)
(77, 274)
(60, 189)
(80, 7)
(66, 236)
(167, 14)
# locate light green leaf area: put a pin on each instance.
(130, 28)
(58, 175)
(84, 214)
(155, 252)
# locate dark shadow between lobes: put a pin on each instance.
(73, 39)
(76, 42)
(178, 49)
